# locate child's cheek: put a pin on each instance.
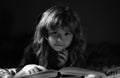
(51, 40)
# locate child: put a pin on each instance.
(58, 42)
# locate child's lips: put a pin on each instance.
(59, 45)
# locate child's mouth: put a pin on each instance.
(58, 45)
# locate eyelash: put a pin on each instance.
(67, 33)
(54, 33)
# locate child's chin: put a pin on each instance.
(59, 49)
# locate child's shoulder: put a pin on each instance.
(29, 48)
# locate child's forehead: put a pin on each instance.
(67, 29)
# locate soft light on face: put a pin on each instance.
(60, 38)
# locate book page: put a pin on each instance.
(80, 71)
(67, 72)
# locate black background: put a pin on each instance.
(100, 19)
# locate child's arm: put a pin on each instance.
(30, 69)
(29, 57)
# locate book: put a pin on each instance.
(67, 72)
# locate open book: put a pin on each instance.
(69, 72)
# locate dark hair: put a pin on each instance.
(58, 16)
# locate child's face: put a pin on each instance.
(60, 38)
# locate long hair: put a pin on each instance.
(55, 17)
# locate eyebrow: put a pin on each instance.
(66, 29)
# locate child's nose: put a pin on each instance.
(60, 38)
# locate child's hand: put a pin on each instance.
(30, 69)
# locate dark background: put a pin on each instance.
(100, 19)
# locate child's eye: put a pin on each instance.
(54, 33)
(68, 33)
